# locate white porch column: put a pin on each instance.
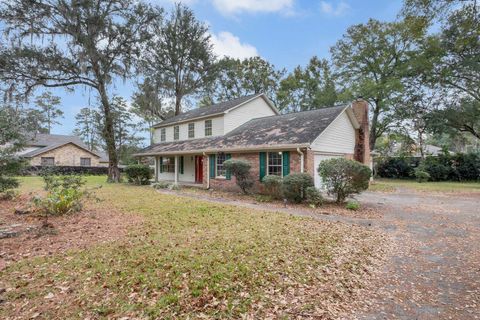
(176, 169)
(157, 160)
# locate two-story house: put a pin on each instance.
(191, 147)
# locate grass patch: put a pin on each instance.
(193, 259)
(390, 185)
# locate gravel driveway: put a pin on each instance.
(439, 277)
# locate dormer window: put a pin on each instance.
(208, 128)
(163, 134)
(176, 132)
(191, 130)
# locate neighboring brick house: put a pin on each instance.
(59, 150)
(191, 147)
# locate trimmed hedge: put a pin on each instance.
(64, 170)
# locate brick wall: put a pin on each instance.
(362, 146)
(253, 159)
(67, 155)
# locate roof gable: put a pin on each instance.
(47, 142)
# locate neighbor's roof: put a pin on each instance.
(215, 109)
(288, 130)
(47, 142)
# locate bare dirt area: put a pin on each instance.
(439, 276)
(23, 236)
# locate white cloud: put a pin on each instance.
(333, 10)
(251, 6)
(226, 44)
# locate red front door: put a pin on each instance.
(198, 169)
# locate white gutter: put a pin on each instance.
(302, 160)
(240, 149)
(208, 171)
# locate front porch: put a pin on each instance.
(184, 170)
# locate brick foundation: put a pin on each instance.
(253, 159)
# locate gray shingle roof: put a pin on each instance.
(47, 142)
(206, 111)
(300, 128)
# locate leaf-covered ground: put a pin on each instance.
(194, 259)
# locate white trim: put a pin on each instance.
(281, 164)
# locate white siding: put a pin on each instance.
(256, 108)
(338, 137)
(188, 171)
(217, 129)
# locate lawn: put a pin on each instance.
(390, 185)
(193, 259)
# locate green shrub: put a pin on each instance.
(273, 186)
(138, 174)
(352, 205)
(161, 185)
(313, 196)
(466, 166)
(295, 186)
(241, 171)
(397, 167)
(439, 168)
(421, 176)
(343, 177)
(65, 194)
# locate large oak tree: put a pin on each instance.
(67, 43)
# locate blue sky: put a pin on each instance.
(285, 32)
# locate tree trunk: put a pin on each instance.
(178, 101)
(373, 130)
(109, 136)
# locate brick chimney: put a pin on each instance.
(362, 141)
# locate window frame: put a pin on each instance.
(169, 166)
(176, 132)
(85, 165)
(280, 153)
(163, 134)
(209, 128)
(224, 171)
(43, 159)
(191, 130)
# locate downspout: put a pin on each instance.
(302, 159)
(208, 170)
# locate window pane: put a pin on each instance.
(221, 157)
(162, 134)
(191, 130)
(176, 132)
(168, 164)
(47, 161)
(85, 162)
(275, 163)
(208, 127)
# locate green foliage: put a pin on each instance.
(396, 167)
(295, 186)
(241, 171)
(47, 103)
(352, 205)
(438, 168)
(313, 196)
(421, 175)
(307, 88)
(343, 177)
(273, 186)
(138, 174)
(263, 198)
(237, 78)
(65, 195)
(372, 59)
